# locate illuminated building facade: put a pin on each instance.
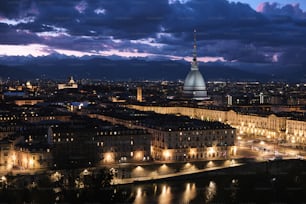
(124, 145)
(193, 144)
(31, 157)
(27, 102)
(139, 94)
(296, 132)
(70, 85)
(177, 138)
(271, 126)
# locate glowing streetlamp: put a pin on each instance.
(139, 155)
(109, 157)
(3, 181)
(167, 154)
(85, 172)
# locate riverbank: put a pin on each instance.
(247, 167)
(248, 181)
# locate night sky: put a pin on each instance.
(246, 31)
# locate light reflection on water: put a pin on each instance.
(140, 196)
(210, 191)
(166, 196)
(183, 193)
(190, 193)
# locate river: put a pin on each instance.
(282, 188)
(266, 182)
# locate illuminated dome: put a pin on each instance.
(71, 81)
(194, 85)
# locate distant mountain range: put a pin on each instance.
(60, 67)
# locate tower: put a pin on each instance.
(139, 94)
(229, 100)
(261, 98)
(194, 85)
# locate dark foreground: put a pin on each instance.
(267, 182)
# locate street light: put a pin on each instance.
(3, 181)
(167, 154)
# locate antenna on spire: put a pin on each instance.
(195, 45)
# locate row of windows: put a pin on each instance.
(67, 140)
(7, 118)
(119, 133)
(59, 134)
(205, 138)
(203, 133)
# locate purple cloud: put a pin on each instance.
(274, 9)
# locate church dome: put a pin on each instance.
(194, 81)
(194, 85)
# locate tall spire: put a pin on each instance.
(194, 64)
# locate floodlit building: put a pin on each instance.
(270, 126)
(31, 157)
(70, 85)
(296, 132)
(189, 139)
(177, 138)
(122, 144)
(139, 94)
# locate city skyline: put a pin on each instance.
(234, 33)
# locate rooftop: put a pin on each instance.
(161, 121)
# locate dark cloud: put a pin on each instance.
(209, 15)
(16, 37)
(121, 18)
(18, 8)
(230, 30)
